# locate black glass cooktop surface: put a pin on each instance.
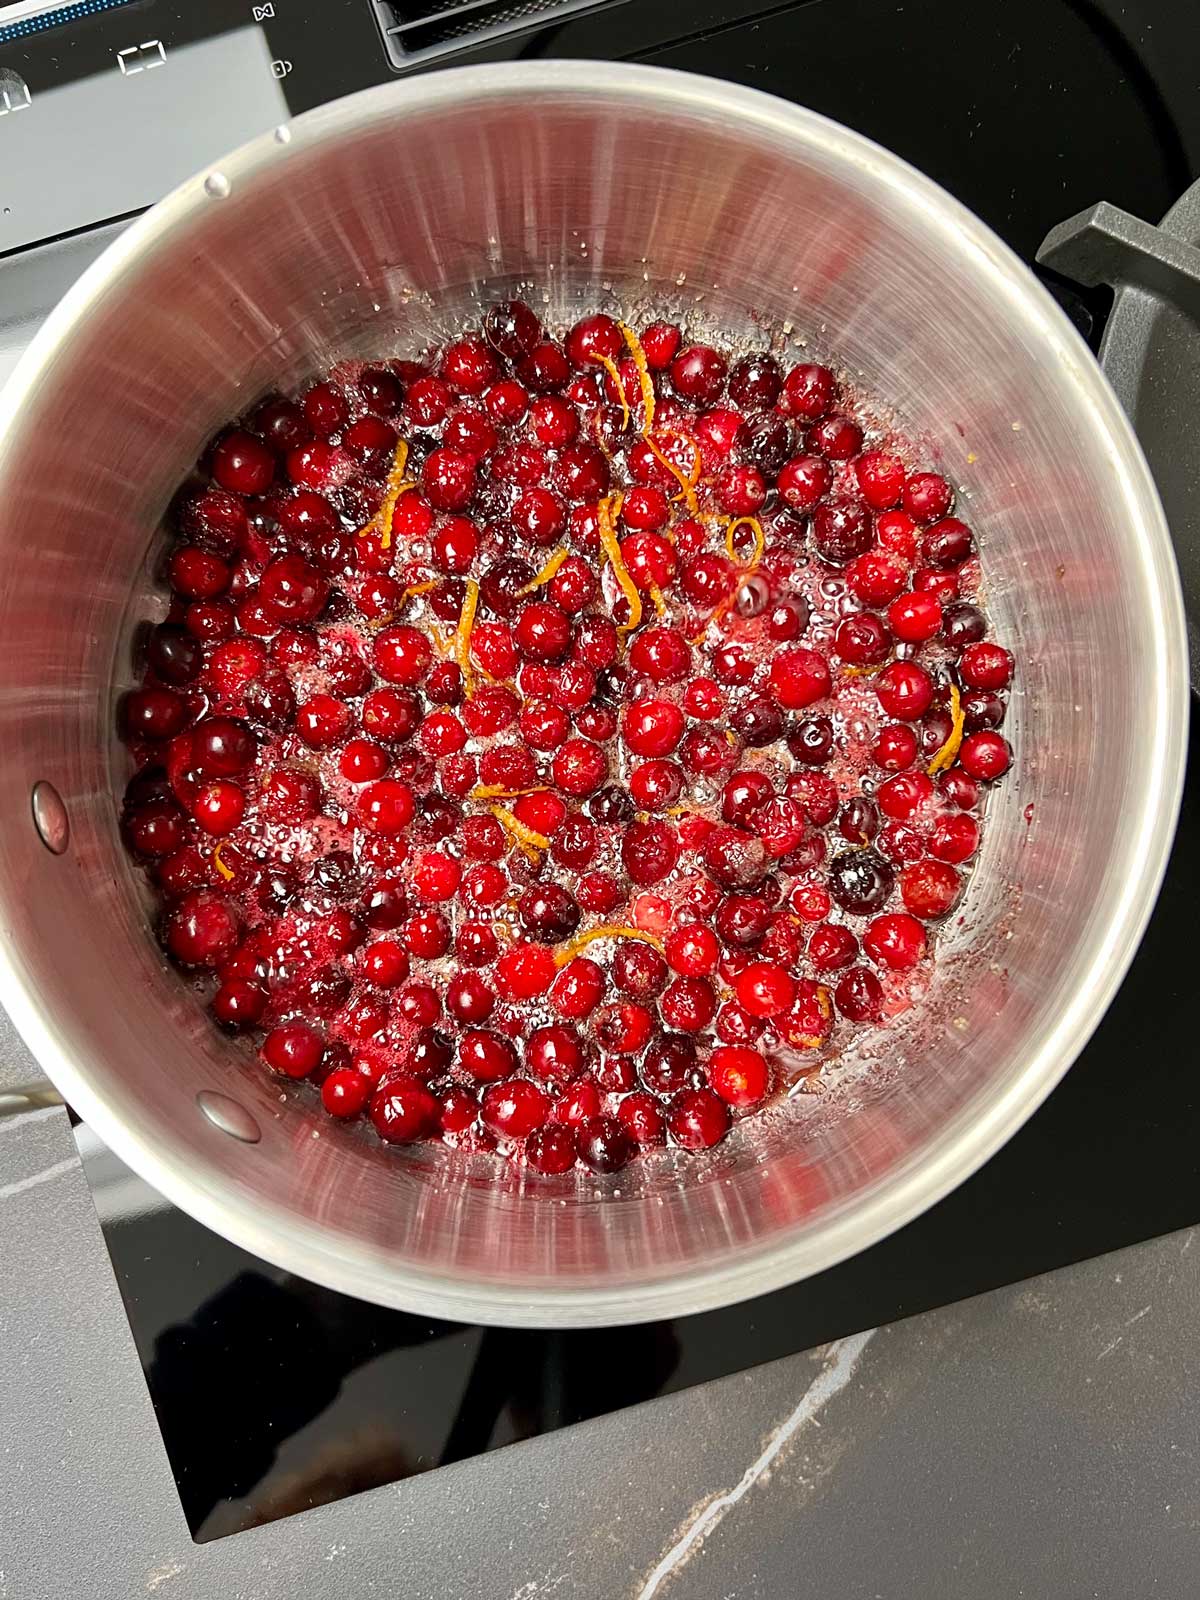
(273, 1394)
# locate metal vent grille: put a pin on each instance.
(415, 31)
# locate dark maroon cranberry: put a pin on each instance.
(335, 875)
(860, 881)
(698, 1118)
(269, 700)
(174, 655)
(153, 714)
(544, 369)
(758, 722)
(604, 1144)
(862, 639)
(548, 912)
(281, 423)
(745, 793)
(638, 970)
(385, 905)
(610, 806)
(858, 820)
(735, 859)
(812, 742)
(934, 729)
(962, 624)
(841, 530)
(755, 382)
(500, 586)
(380, 391)
(512, 328)
(765, 441)
(947, 544)
(742, 920)
(669, 1063)
(430, 1053)
(982, 708)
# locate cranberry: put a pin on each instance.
(880, 478)
(174, 655)
(905, 691)
(733, 857)
(962, 625)
(895, 747)
(841, 530)
(219, 807)
(593, 337)
(929, 889)
(697, 1118)
(799, 676)
(861, 639)
(836, 437)
(741, 490)
(927, 497)
(858, 821)
(514, 1109)
(578, 988)
(294, 1049)
(469, 366)
(551, 1149)
(649, 851)
(198, 574)
(507, 401)
(985, 666)
(403, 1109)
(325, 409)
(512, 328)
(402, 655)
(859, 995)
(243, 464)
(604, 1144)
(692, 950)
(153, 714)
(580, 767)
(804, 481)
(896, 940)
(808, 392)
(641, 1117)
(764, 989)
(448, 479)
(548, 912)
(345, 1092)
(903, 796)
(947, 543)
(740, 1076)
(985, 755)
(831, 946)
(688, 1004)
(544, 369)
(655, 785)
(698, 374)
(755, 382)
(202, 929)
(860, 881)
(660, 341)
(156, 829)
(812, 742)
(386, 806)
(391, 715)
(543, 631)
(915, 617)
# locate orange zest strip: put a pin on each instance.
(397, 484)
(545, 573)
(949, 750)
(643, 372)
(226, 872)
(760, 542)
(687, 485)
(862, 672)
(610, 366)
(419, 588)
(524, 838)
(606, 930)
(462, 635)
(660, 605)
(608, 511)
(440, 642)
(500, 791)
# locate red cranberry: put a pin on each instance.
(219, 807)
(742, 920)
(153, 714)
(544, 369)
(551, 1149)
(391, 715)
(345, 1092)
(698, 374)
(744, 794)
(649, 851)
(198, 574)
(688, 1004)
(741, 490)
(915, 617)
(578, 988)
(905, 691)
(514, 1109)
(804, 481)
(697, 1118)
(859, 995)
(403, 1109)
(655, 785)
(903, 796)
(808, 392)
(386, 806)
(294, 1049)
(592, 337)
(985, 755)
(202, 929)
(780, 825)
(641, 1117)
(486, 1057)
(243, 464)
(896, 940)
(384, 964)
(733, 857)
(692, 950)
(895, 747)
(580, 767)
(954, 838)
(831, 947)
(985, 666)
(325, 409)
(507, 401)
(402, 655)
(764, 989)
(788, 619)
(604, 1144)
(290, 795)
(836, 437)
(929, 889)
(543, 631)
(554, 1055)
(448, 479)
(880, 478)
(927, 497)
(740, 1076)
(799, 676)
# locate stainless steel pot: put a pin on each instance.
(374, 223)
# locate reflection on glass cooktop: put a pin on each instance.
(274, 1395)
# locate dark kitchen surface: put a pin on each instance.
(273, 1395)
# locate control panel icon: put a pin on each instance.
(141, 57)
(14, 92)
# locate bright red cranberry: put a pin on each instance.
(896, 940)
(831, 947)
(692, 950)
(554, 1055)
(592, 337)
(345, 1092)
(402, 655)
(804, 481)
(458, 1110)
(838, 438)
(512, 328)
(403, 1109)
(198, 574)
(927, 497)
(943, 586)
(738, 1075)
(810, 902)
(880, 478)
(391, 715)
(662, 654)
(625, 1027)
(656, 785)
(544, 369)
(799, 677)
(660, 341)
(929, 888)
(905, 690)
(386, 806)
(985, 666)
(764, 989)
(688, 1004)
(448, 479)
(895, 747)
(243, 464)
(514, 1109)
(578, 988)
(903, 796)
(219, 807)
(323, 721)
(507, 401)
(469, 366)
(954, 838)
(741, 490)
(808, 392)
(294, 1049)
(543, 631)
(384, 964)
(985, 755)
(486, 1057)
(580, 767)
(326, 409)
(915, 617)
(697, 1118)
(222, 747)
(641, 1117)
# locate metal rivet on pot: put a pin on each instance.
(229, 1116)
(50, 817)
(218, 186)
(283, 134)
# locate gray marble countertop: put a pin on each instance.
(1040, 1440)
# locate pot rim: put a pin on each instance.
(983, 1125)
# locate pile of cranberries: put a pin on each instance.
(561, 746)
